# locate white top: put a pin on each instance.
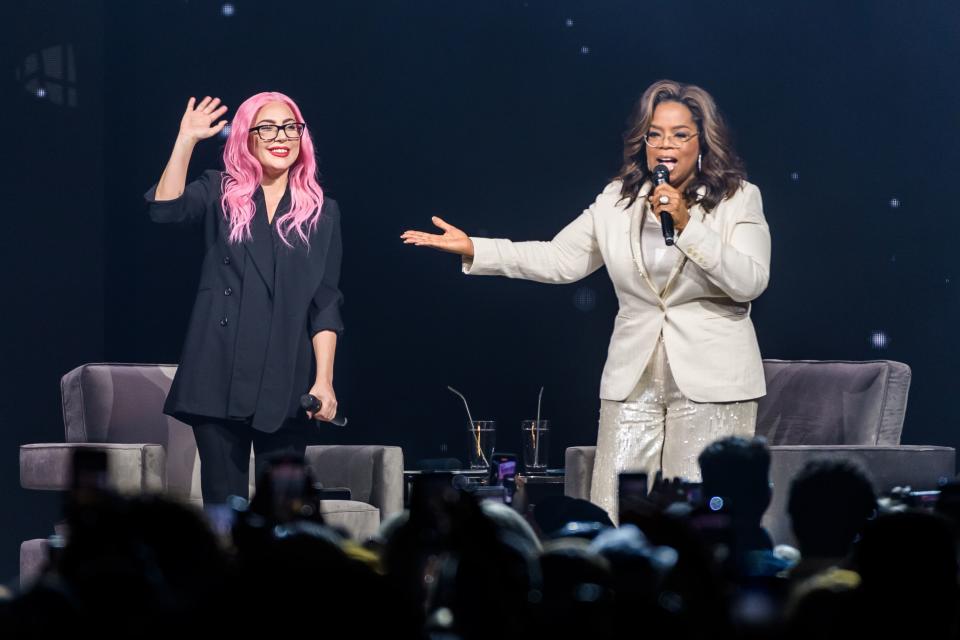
(658, 259)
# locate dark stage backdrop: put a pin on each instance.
(52, 242)
(506, 119)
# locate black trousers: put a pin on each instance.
(224, 447)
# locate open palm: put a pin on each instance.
(197, 123)
(452, 239)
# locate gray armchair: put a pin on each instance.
(119, 408)
(825, 409)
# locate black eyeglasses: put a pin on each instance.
(268, 132)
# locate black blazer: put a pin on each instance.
(248, 349)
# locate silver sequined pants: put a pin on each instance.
(658, 428)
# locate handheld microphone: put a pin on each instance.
(312, 404)
(661, 175)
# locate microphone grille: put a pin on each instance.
(661, 173)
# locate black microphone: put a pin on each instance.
(312, 403)
(661, 175)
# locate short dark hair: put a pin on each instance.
(738, 469)
(830, 502)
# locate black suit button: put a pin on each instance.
(226, 261)
(228, 291)
(224, 322)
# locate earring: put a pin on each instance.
(699, 162)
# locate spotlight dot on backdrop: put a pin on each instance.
(225, 132)
(795, 176)
(569, 22)
(227, 10)
(585, 299)
(879, 340)
(584, 50)
(894, 203)
(41, 92)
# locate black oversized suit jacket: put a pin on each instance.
(301, 282)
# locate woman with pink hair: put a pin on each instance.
(266, 318)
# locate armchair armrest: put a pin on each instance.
(579, 471)
(131, 468)
(373, 473)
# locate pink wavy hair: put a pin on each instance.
(244, 173)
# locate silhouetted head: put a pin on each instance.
(829, 505)
(738, 471)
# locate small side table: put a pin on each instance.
(534, 487)
(531, 487)
(473, 475)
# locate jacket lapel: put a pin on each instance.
(260, 247)
(637, 212)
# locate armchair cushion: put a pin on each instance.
(822, 402)
(359, 519)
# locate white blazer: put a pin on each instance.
(703, 313)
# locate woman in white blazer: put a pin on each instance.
(683, 368)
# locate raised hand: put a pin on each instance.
(198, 120)
(452, 240)
(196, 124)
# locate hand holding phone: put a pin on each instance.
(632, 493)
(503, 473)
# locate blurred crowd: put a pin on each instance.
(678, 564)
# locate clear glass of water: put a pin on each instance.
(536, 444)
(483, 438)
